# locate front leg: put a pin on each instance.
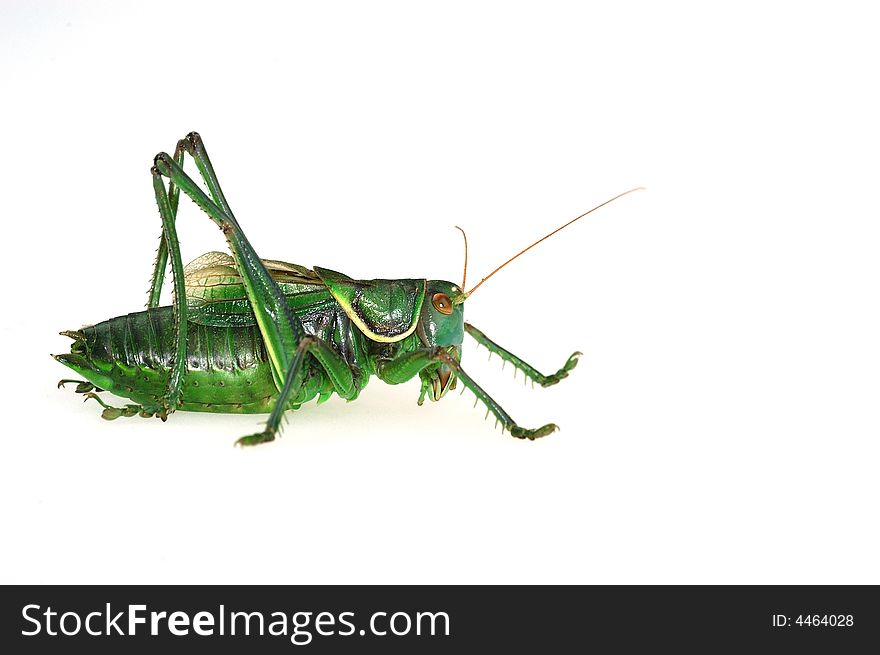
(530, 372)
(406, 366)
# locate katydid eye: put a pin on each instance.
(442, 303)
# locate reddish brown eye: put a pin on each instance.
(442, 303)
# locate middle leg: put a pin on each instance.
(311, 351)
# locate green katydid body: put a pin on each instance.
(368, 322)
(247, 335)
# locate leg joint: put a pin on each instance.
(161, 163)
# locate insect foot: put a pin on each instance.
(562, 373)
(81, 386)
(531, 435)
(161, 410)
(256, 439)
(110, 413)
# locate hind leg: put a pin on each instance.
(162, 253)
(171, 398)
(284, 337)
(168, 200)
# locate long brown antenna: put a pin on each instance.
(524, 250)
(463, 275)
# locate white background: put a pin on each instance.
(722, 425)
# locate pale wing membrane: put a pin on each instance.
(216, 295)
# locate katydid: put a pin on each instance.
(247, 335)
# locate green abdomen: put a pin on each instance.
(227, 367)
